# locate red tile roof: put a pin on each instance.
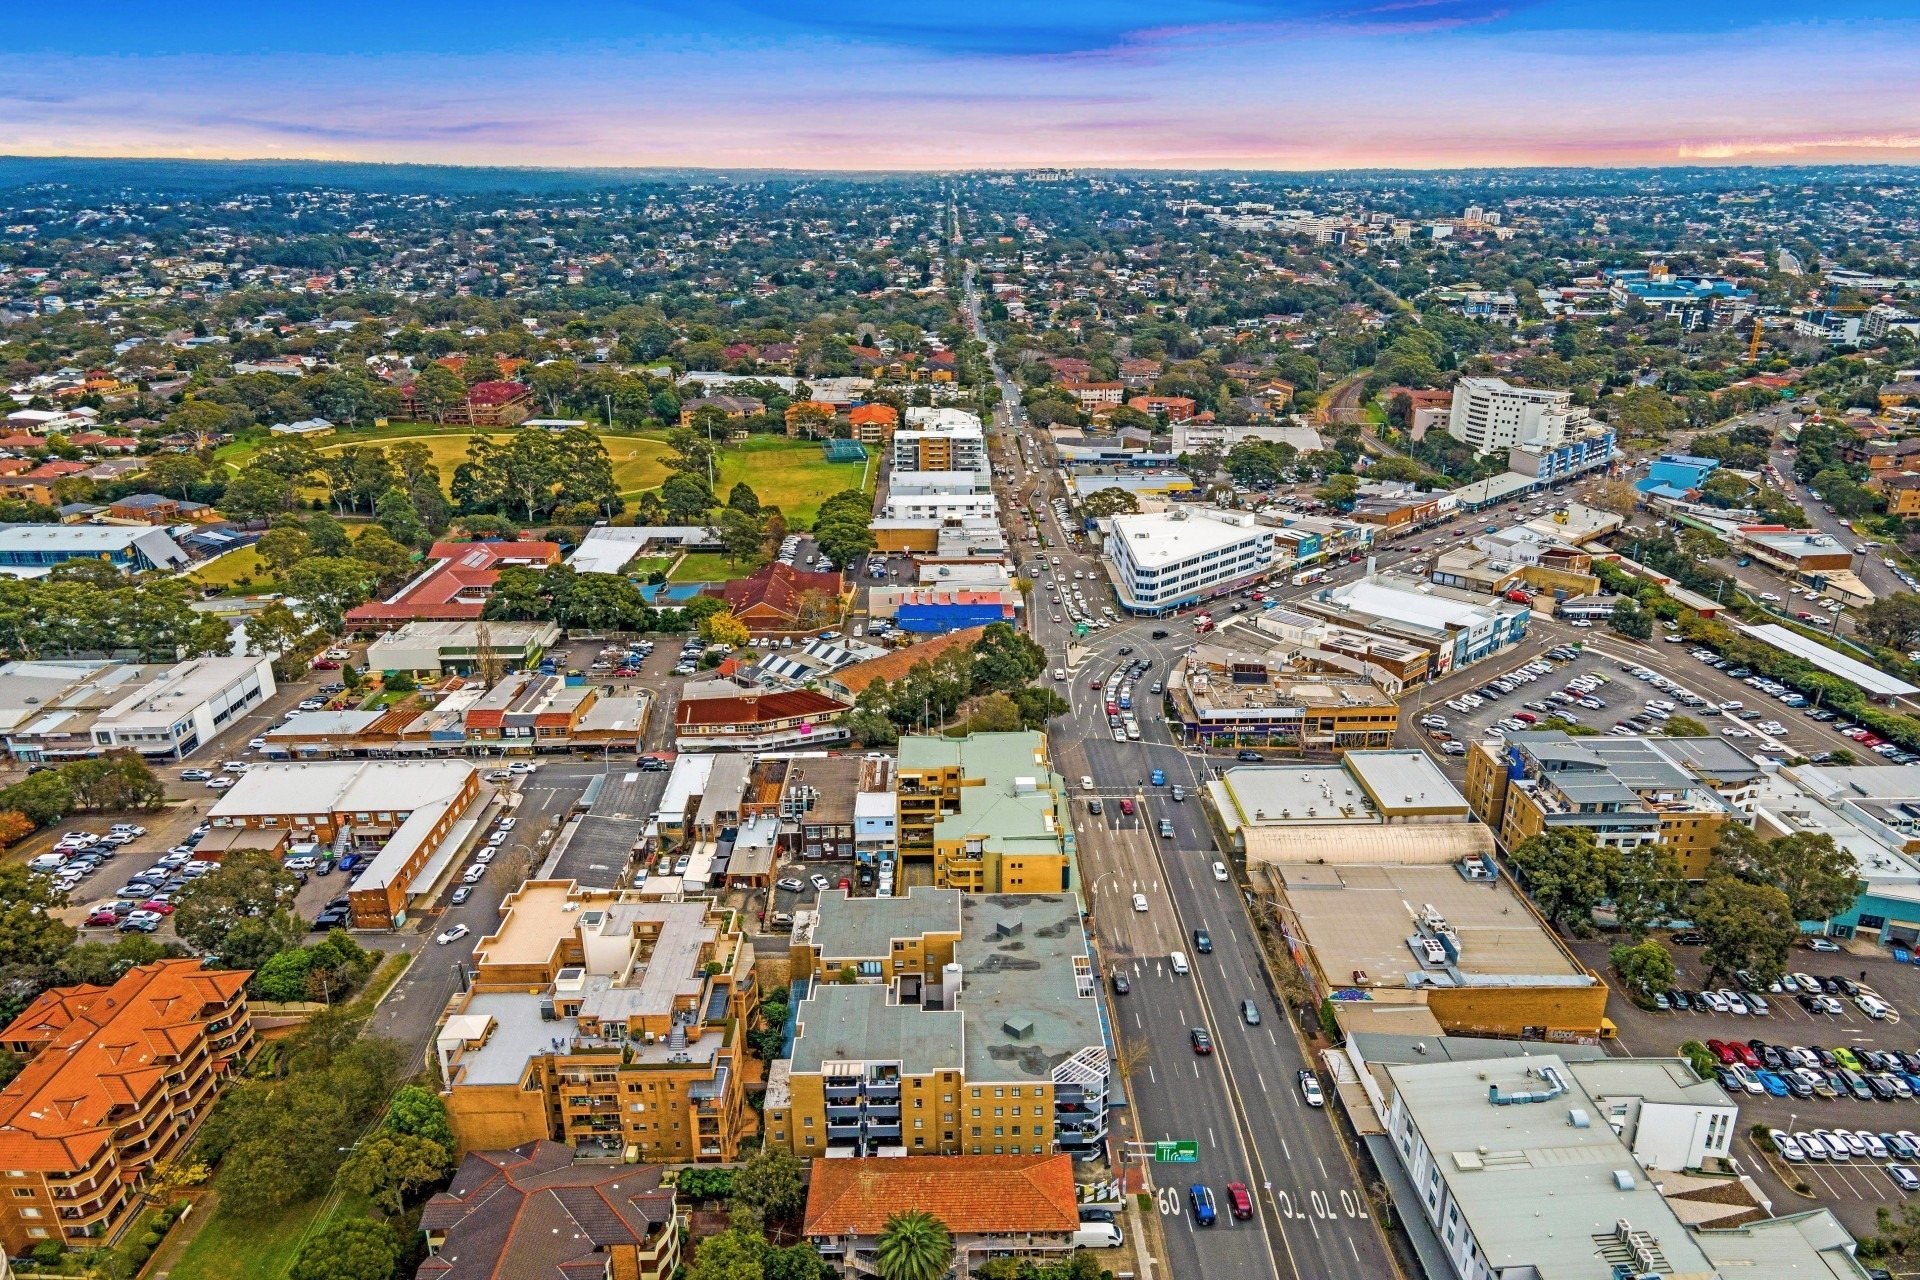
(755, 708)
(969, 1194)
(873, 413)
(896, 664)
(777, 587)
(457, 585)
(496, 392)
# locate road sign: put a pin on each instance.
(1186, 1151)
(1079, 630)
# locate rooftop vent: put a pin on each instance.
(1018, 1028)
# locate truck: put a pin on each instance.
(1203, 623)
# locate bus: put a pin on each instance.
(1304, 577)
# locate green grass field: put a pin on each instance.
(709, 566)
(229, 1248)
(230, 568)
(790, 474)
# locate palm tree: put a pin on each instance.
(914, 1246)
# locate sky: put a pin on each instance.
(817, 84)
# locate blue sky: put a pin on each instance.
(807, 83)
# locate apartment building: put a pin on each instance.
(116, 1080)
(990, 811)
(970, 1026)
(939, 439)
(599, 1018)
(1676, 792)
(1491, 415)
(1164, 561)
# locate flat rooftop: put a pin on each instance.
(1871, 679)
(1359, 918)
(344, 786)
(1170, 537)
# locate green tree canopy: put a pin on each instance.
(348, 1249)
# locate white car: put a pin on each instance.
(484, 855)
(220, 783)
(299, 864)
(820, 882)
(454, 934)
(521, 768)
(506, 824)
(497, 839)
(1139, 902)
(1219, 871)
(257, 744)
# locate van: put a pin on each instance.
(1178, 960)
(1098, 1235)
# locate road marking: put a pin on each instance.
(1211, 1140)
(1323, 1168)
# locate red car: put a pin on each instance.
(325, 664)
(1126, 807)
(102, 917)
(1202, 1042)
(1723, 1051)
(164, 908)
(1745, 1053)
(1093, 684)
(1239, 1200)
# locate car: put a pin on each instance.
(485, 853)
(1139, 902)
(792, 884)
(1250, 1013)
(1201, 1041)
(104, 916)
(1126, 807)
(1812, 1146)
(1249, 755)
(454, 934)
(1239, 1200)
(1203, 942)
(1835, 1145)
(461, 894)
(159, 906)
(1310, 1089)
(820, 882)
(1121, 986)
(1200, 1196)
(1822, 944)
(1789, 1149)
(221, 783)
(1220, 871)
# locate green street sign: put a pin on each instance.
(1080, 630)
(1186, 1151)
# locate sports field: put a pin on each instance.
(793, 475)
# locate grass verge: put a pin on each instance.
(231, 1248)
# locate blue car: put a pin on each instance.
(1159, 777)
(1773, 1083)
(1912, 1079)
(1201, 1195)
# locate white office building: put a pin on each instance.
(1162, 561)
(940, 506)
(1493, 415)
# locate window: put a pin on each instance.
(24, 1193)
(29, 1213)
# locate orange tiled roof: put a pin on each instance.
(100, 1049)
(896, 664)
(755, 708)
(970, 1194)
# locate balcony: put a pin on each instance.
(843, 1132)
(843, 1113)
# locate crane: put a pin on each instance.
(1753, 343)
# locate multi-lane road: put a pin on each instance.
(1241, 1105)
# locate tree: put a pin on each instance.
(42, 797)
(274, 630)
(438, 389)
(283, 978)
(724, 628)
(1111, 502)
(30, 937)
(281, 549)
(743, 498)
(175, 473)
(328, 536)
(742, 534)
(995, 713)
(400, 518)
(1893, 621)
(1816, 875)
(770, 1182)
(732, 1254)
(247, 885)
(1630, 620)
(349, 1248)
(1339, 490)
(1567, 873)
(257, 492)
(331, 585)
(796, 1262)
(14, 827)
(845, 538)
(1003, 658)
(1683, 727)
(1647, 413)
(1645, 886)
(391, 1168)
(1748, 926)
(417, 1110)
(1644, 968)
(686, 497)
(914, 1245)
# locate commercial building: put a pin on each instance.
(1453, 936)
(989, 809)
(116, 1080)
(1395, 804)
(905, 505)
(413, 816)
(32, 550)
(1869, 812)
(608, 549)
(1458, 627)
(455, 585)
(991, 1206)
(68, 709)
(1674, 792)
(497, 1217)
(1872, 681)
(1540, 1166)
(722, 717)
(430, 648)
(1676, 476)
(1492, 415)
(603, 1021)
(1224, 696)
(1693, 300)
(1161, 562)
(1583, 446)
(971, 1027)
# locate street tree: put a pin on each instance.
(1748, 927)
(1644, 968)
(391, 1169)
(1568, 874)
